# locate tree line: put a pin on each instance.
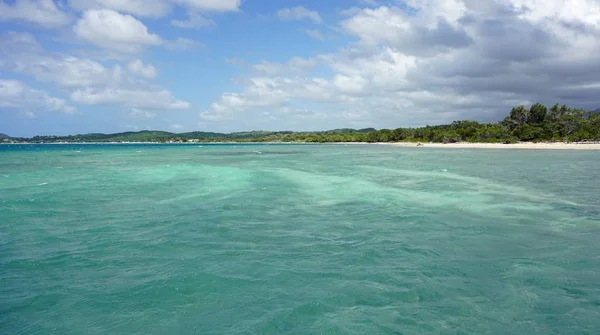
(534, 123)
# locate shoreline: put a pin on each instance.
(520, 145)
(459, 145)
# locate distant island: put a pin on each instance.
(536, 123)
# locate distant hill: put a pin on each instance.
(140, 136)
(347, 131)
(579, 125)
(165, 136)
(200, 134)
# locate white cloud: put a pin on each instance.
(9, 91)
(393, 27)
(70, 71)
(143, 98)
(17, 95)
(140, 8)
(433, 62)
(587, 11)
(211, 5)
(114, 31)
(22, 53)
(13, 41)
(262, 92)
(299, 13)
(315, 34)
(89, 82)
(44, 13)
(138, 68)
(194, 20)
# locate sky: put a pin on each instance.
(81, 66)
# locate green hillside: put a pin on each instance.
(533, 123)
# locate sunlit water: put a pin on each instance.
(298, 239)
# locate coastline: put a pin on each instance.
(520, 145)
(458, 145)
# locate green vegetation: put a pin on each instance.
(140, 136)
(536, 123)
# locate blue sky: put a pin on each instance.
(79, 66)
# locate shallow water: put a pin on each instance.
(298, 239)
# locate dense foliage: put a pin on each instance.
(536, 123)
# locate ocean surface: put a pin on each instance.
(298, 239)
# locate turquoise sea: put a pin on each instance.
(298, 239)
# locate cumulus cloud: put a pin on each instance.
(394, 27)
(23, 54)
(89, 82)
(114, 31)
(160, 8)
(15, 94)
(144, 98)
(69, 71)
(138, 68)
(43, 13)
(433, 62)
(17, 42)
(140, 8)
(299, 13)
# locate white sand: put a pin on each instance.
(521, 145)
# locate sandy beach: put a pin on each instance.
(462, 145)
(521, 145)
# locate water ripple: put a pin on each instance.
(299, 240)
